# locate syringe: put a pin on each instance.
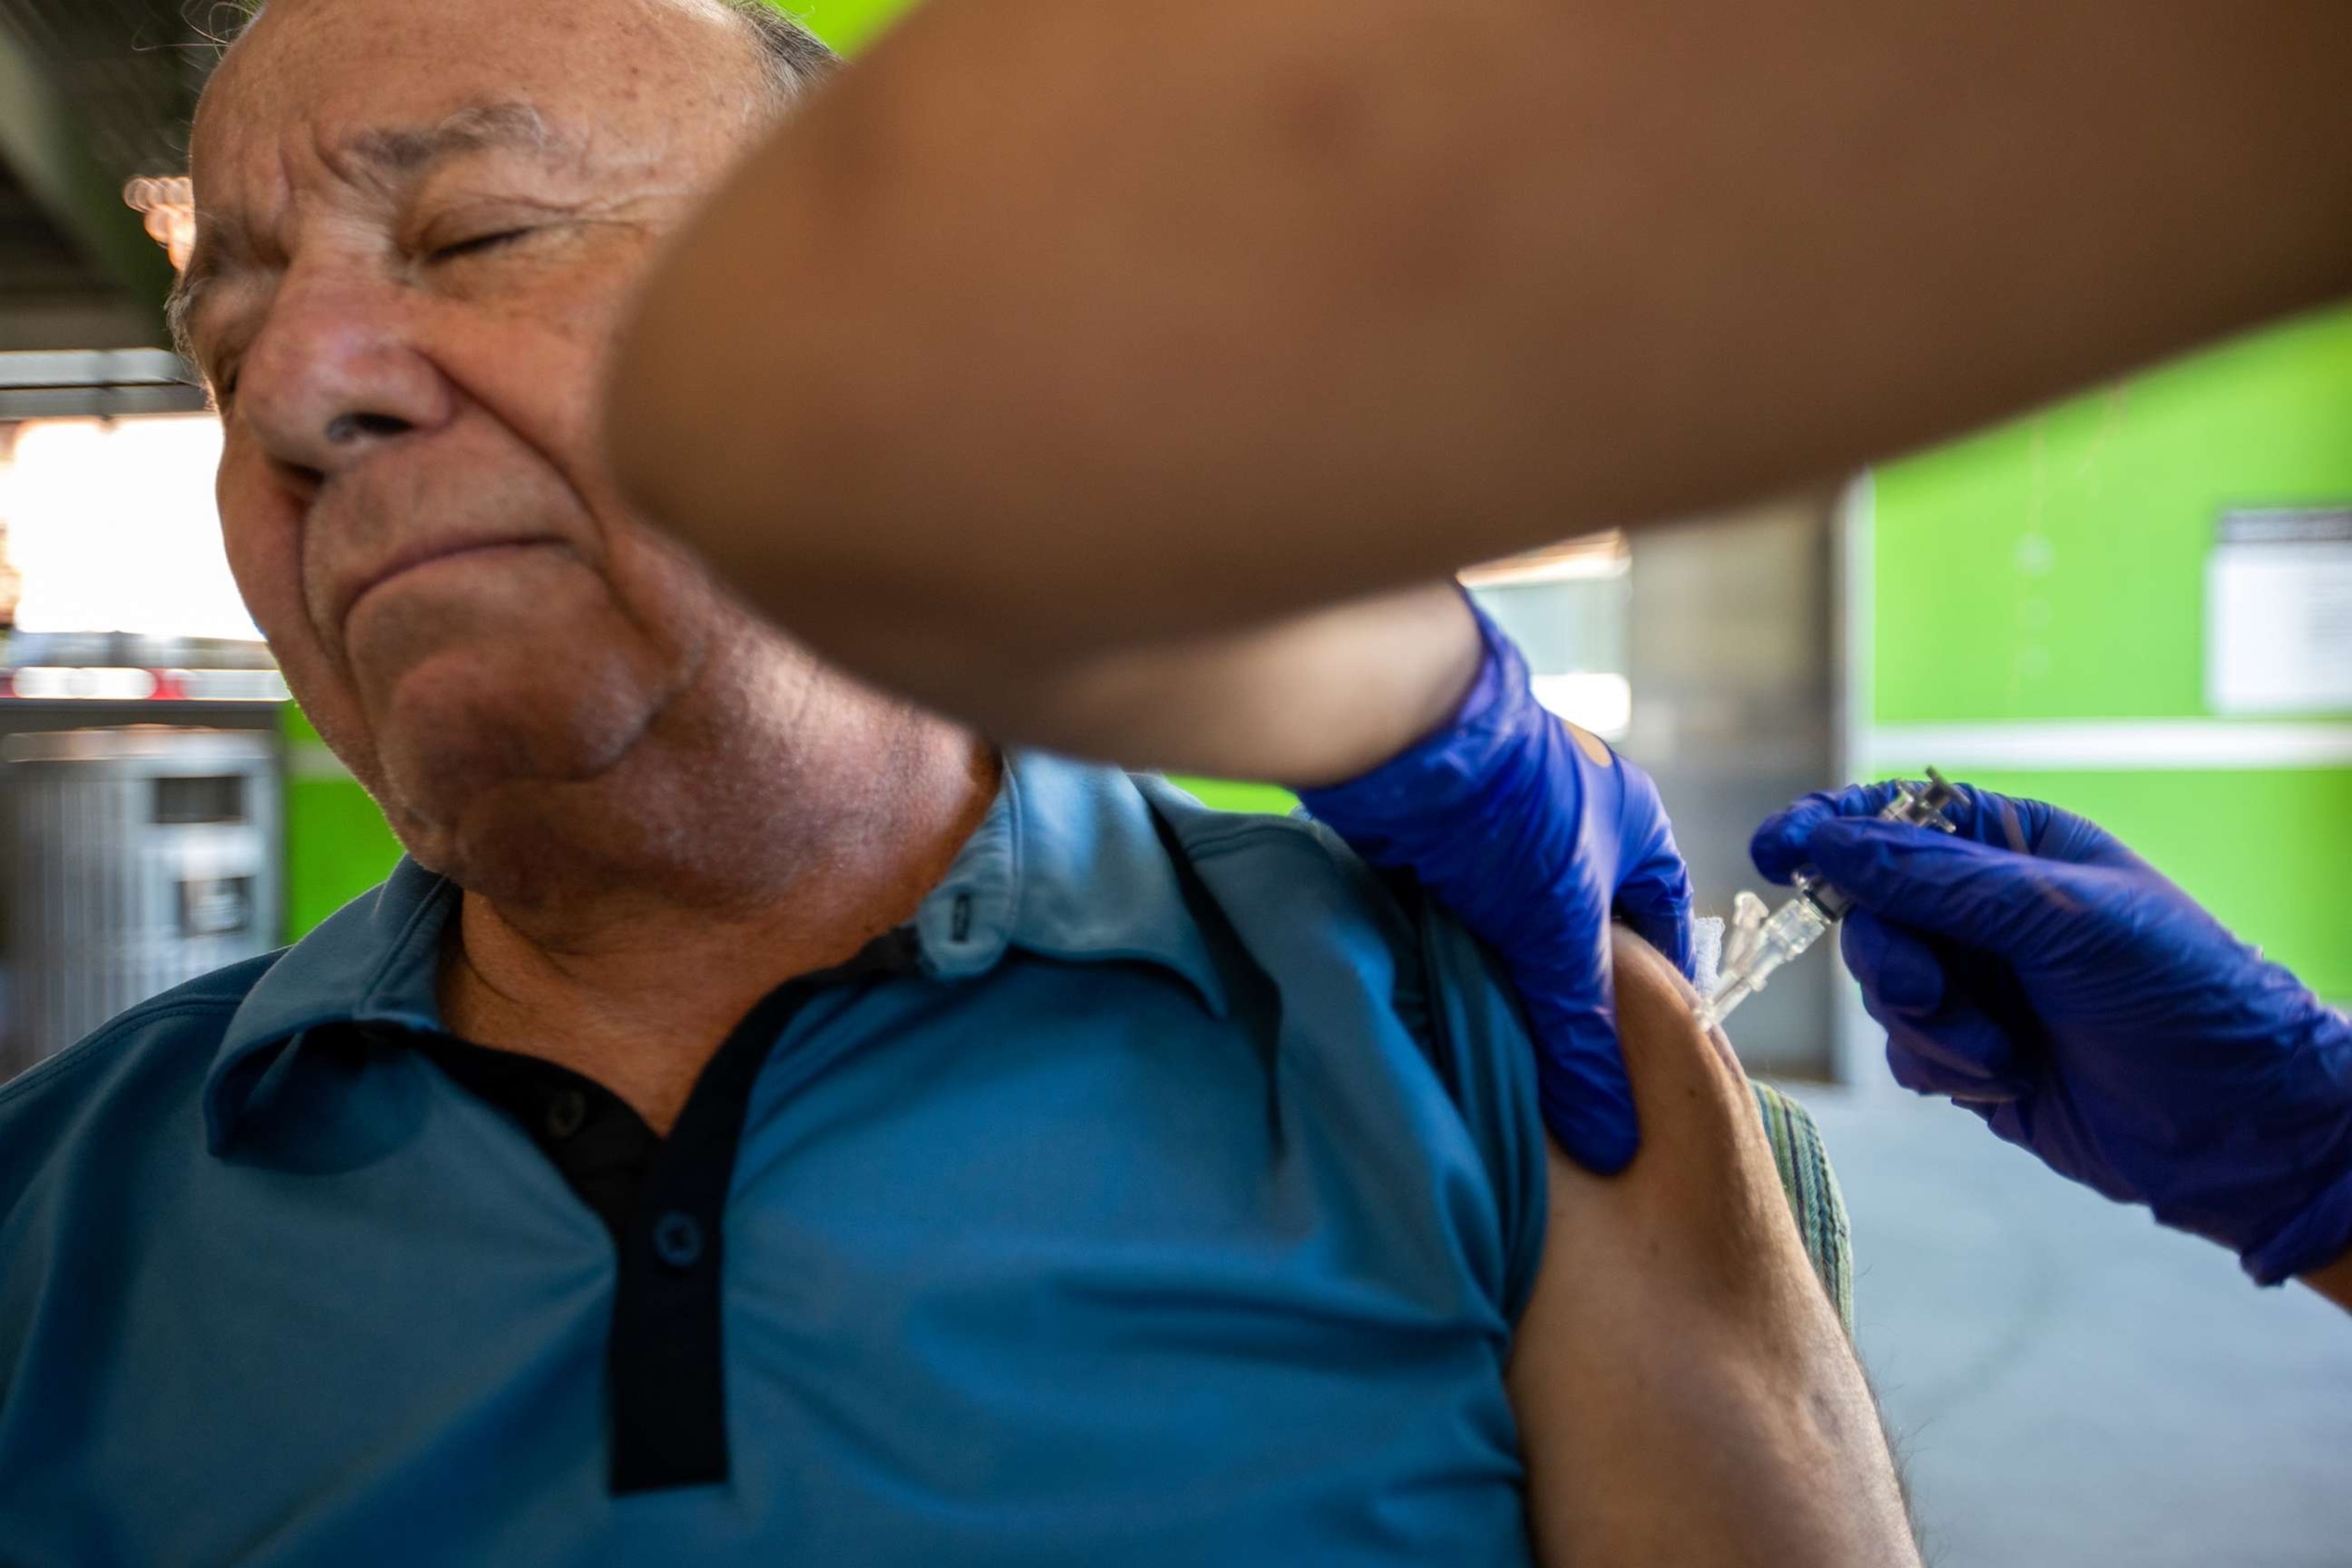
(1755, 946)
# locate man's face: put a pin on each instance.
(419, 221)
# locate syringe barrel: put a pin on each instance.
(1833, 903)
(1794, 927)
(1804, 920)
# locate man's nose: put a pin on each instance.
(336, 372)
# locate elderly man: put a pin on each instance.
(759, 1122)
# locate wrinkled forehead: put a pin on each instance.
(313, 79)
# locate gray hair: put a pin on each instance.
(796, 58)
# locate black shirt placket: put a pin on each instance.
(664, 1202)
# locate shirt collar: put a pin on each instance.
(1067, 864)
(375, 960)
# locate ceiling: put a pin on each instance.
(35, 260)
(92, 92)
(95, 92)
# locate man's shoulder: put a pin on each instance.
(197, 1011)
(1296, 888)
(146, 1060)
(1297, 869)
(1296, 860)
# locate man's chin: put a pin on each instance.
(458, 729)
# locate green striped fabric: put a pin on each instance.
(1812, 1189)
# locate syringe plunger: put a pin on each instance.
(1755, 949)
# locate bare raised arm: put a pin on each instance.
(1685, 1391)
(2335, 1281)
(1056, 327)
(1311, 700)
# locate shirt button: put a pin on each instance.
(678, 1240)
(566, 1111)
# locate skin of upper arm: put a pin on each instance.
(1684, 1390)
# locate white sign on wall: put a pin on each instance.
(2278, 613)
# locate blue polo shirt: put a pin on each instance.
(1165, 1195)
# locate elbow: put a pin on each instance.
(653, 442)
(767, 454)
(744, 460)
(698, 448)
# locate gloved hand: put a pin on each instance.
(2043, 975)
(1531, 831)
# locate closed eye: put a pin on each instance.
(480, 244)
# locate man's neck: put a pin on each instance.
(637, 984)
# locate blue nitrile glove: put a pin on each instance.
(2039, 973)
(1531, 831)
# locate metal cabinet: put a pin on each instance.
(142, 857)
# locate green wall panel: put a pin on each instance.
(846, 25)
(1226, 794)
(2054, 568)
(2053, 571)
(337, 844)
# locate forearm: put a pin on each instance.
(1686, 1393)
(1313, 700)
(1060, 326)
(2335, 1281)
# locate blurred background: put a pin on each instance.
(2137, 605)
